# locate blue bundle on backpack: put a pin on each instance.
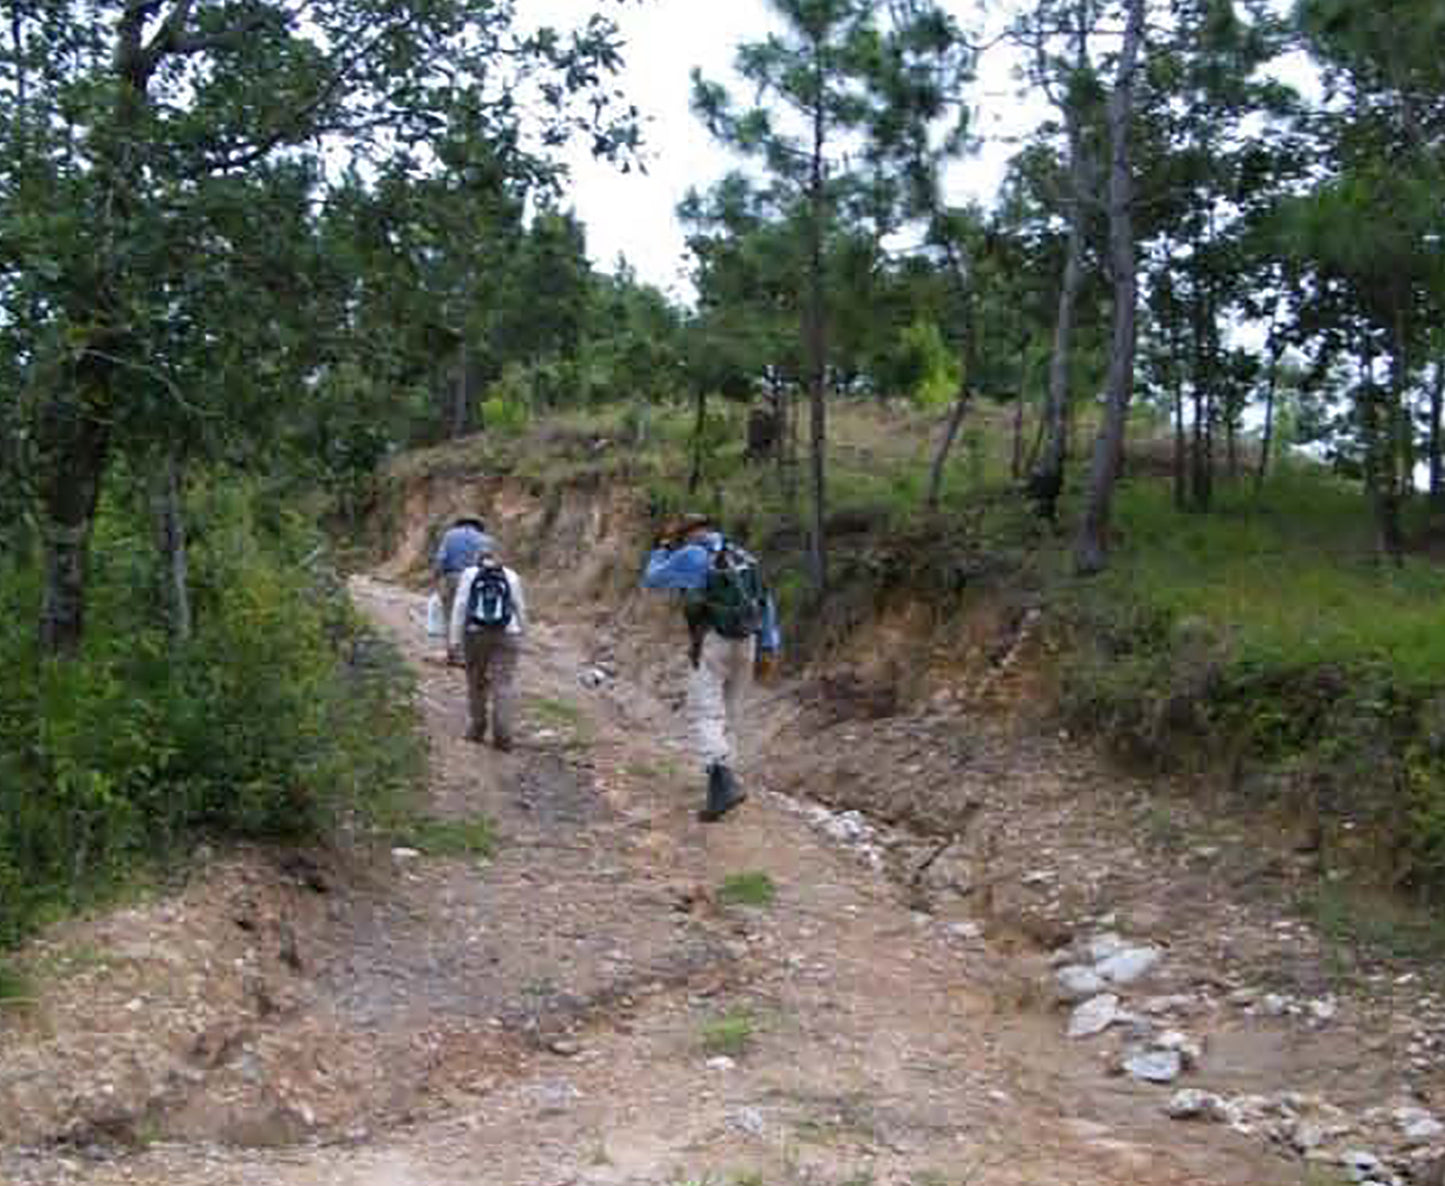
(723, 588)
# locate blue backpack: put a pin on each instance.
(489, 606)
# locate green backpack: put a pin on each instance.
(732, 601)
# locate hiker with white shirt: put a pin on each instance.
(488, 623)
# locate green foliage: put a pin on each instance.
(925, 368)
(1373, 923)
(281, 718)
(1261, 636)
(472, 836)
(507, 407)
(747, 889)
(13, 985)
(731, 1034)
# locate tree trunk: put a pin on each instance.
(73, 427)
(1403, 409)
(699, 428)
(1388, 499)
(1016, 461)
(1202, 458)
(1176, 387)
(1266, 444)
(171, 539)
(950, 434)
(73, 449)
(1046, 480)
(1090, 548)
(461, 401)
(1437, 407)
(817, 345)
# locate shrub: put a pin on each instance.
(282, 717)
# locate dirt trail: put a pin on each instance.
(581, 1009)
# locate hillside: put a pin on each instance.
(871, 972)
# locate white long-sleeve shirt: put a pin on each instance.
(517, 625)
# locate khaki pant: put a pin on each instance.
(491, 682)
(715, 688)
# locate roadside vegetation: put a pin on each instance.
(281, 718)
(224, 321)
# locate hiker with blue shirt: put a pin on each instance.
(458, 550)
(732, 627)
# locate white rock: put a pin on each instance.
(1188, 1049)
(1154, 1066)
(592, 677)
(747, 1120)
(1324, 1009)
(1077, 982)
(720, 1062)
(1362, 1165)
(965, 930)
(1173, 1003)
(1094, 1016)
(1128, 965)
(1101, 947)
(1423, 1131)
(1274, 1005)
(1190, 1103)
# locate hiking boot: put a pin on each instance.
(723, 793)
(504, 744)
(476, 735)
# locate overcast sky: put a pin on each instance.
(635, 214)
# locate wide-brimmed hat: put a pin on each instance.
(470, 520)
(684, 524)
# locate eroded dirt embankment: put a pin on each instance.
(585, 1006)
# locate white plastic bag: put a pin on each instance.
(436, 624)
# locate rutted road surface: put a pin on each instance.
(584, 1009)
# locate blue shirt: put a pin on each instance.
(686, 568)
(681, 568)
(459, 549)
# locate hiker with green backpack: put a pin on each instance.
(732, 627)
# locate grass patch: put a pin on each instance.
(731, 1034)
(72, 960)
(1322, 1175)
(1376, 924)
(469, 836)
(557, 712)
(15, 986)
(1290, 578)
(747, 889)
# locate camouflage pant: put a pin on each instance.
(715, 687)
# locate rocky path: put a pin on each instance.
(622, 996)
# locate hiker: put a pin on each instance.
(732, 626)
(489, 618)
(459, 548)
